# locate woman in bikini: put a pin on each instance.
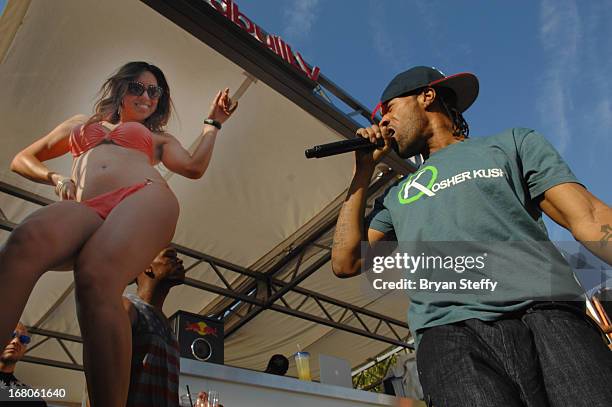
(116, 213)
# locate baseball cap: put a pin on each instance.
(465, 85)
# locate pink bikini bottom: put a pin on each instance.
(104, 204)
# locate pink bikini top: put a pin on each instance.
(129, 135)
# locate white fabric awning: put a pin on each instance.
(258, 191)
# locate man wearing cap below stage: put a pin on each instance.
(10, 386)
(529, 343)
(155, 351)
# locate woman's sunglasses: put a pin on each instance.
(24, 339)
(137, 89)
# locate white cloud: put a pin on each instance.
(382, 39)
(300, 16)
(395, 45)
(603, 115)
(560, 28)
(576, 95)
(560, 34)
(596, 65)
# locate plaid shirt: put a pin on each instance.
(155, 359)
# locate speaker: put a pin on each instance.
(199, 338)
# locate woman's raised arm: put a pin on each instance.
(179, 160)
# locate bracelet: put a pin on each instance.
(213, 122)
(60, 185)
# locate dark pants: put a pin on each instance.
(544, 357)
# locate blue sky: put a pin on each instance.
(541, 64)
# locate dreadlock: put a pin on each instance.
(448, 99)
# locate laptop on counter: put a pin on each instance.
(335, 371)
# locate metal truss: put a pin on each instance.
(285, 272)
(278, 277)
(270, 284)
(60, 338)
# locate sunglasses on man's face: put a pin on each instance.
(138, 88)
(24, 339)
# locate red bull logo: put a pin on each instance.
(201, 328)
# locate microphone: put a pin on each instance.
(344, 146)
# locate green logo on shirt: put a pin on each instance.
(418, 184)
(423, 182)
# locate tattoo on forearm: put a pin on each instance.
(340, 232)
(607, 235)
(345, 227)
(342, 228)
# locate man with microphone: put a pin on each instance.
(530, 343)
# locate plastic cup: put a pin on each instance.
(213, 398)
(302, 363)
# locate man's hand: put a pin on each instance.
(367, 159)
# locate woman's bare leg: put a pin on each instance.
(133, 234)
(48, 237)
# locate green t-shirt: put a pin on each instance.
(481, 194)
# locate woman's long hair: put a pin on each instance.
(114, 89)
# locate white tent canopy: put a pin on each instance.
(258, 195)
